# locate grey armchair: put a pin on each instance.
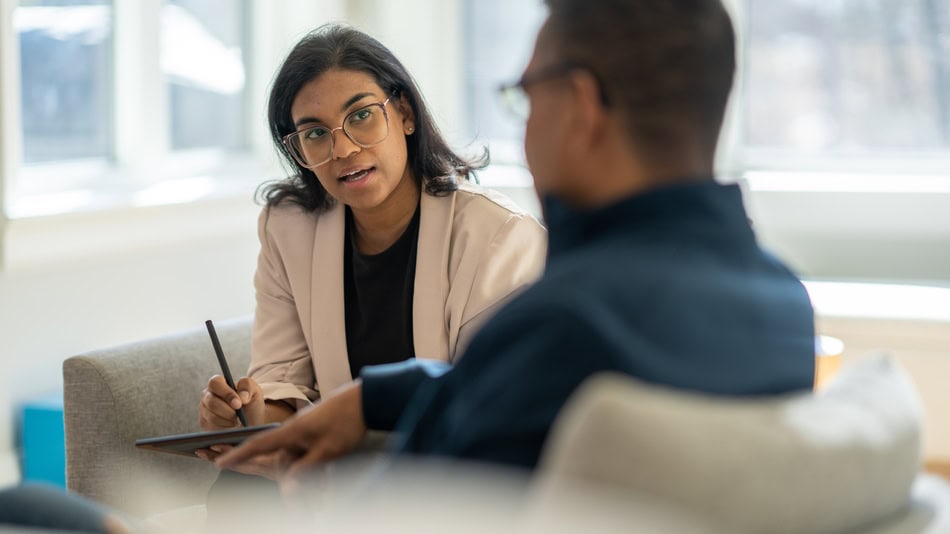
(623, 452)
(114, 396)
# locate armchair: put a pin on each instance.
(150, 388)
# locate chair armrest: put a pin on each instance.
(150, 388)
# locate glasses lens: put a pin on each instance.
(516, 102)
(312, 146)
(367, 126)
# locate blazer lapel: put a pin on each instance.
(327, 309)
(431, 287)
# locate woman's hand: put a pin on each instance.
(321, 432)
(218, 407)
(266, 465)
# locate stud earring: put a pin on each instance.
(410, 129)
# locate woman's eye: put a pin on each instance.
(315, 133)
(362, 114)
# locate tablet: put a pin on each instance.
(187, 444)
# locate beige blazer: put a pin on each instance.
(476, 247)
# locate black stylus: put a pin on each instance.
(225, 370)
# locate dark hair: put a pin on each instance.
(331, 46)
(666, 65)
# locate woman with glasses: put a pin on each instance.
(377, 248)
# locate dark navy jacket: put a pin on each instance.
(668, 286)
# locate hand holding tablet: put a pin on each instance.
(187, 444)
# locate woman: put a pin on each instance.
(376, 249)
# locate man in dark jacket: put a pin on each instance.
(653, 269)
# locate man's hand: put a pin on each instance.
(265, 465)
(321, 432)
(218, 407)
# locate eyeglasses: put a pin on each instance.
(366, 127)
(513, 96)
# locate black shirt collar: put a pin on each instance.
(681, 205)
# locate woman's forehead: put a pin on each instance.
(327, 94)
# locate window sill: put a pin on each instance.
(90, 226)
(854, 227)
(50, 241)
(900, 302)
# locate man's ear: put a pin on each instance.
(590, 115)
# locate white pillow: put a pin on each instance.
(822, 462)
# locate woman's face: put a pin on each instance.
(363, 178)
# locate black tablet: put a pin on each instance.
(187, 444)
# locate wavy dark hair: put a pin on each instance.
(436, 166)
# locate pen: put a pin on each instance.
(225, 370)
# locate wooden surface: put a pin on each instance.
(828, 351)
(938, 467)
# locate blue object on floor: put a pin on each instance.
(43, 440)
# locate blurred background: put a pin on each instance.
(133, 137)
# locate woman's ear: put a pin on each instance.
(408, 117)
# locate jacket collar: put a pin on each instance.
(327, 303)
(704, 204)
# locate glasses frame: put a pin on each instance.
(512, 92)
(288, 140)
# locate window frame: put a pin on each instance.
(139, 107)
(139, 104)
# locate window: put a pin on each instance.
(498, 44)
(849, 80)
(65, 79)
(839, 125)
(203, 64)
(126, 102)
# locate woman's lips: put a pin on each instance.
(357, 178)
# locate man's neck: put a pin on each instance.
(377, 229)
(620, 174)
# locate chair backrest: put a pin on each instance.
(830, 461)
(115, 396)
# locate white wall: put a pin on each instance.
(50, 310)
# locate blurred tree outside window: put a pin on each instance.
(847, 77)
(822, 80)
(202, 61)
(65, 78)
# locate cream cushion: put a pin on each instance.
(826, 462)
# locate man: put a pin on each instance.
(653, 269)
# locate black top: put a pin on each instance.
(378, 293)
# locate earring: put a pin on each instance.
(410, 129)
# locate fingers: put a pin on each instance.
(263, 443)
(219, 403)
(219, 387)
(306, 462)
(249, 390)
(207, 454)
(266, 466)
(214, 413)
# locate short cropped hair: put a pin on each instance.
(666, 65)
